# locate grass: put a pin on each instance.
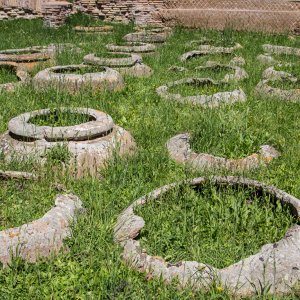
(7, 74)
(93, 268)
(287, 84)
(23, 201)
(200, 89)
(112, 55)
(81, 71)
(224, 42)
(58, 118)
(218, 227)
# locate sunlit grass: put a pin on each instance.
(93, 269)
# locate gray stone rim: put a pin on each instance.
(96, 29)
(110, 79)
(128, 61)
(205, 51)
(215, 49)
(202, 100)
(179, 150)
(239, 73)
(275, 49)
(153, 29)
(42, 237)
(244, 278)
(132, 48)
(145, 37)
(17, 175)
(265, 89)
(102, 125)
(39, 53)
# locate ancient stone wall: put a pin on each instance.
(138, 11)
(253, 15)
(14, 9)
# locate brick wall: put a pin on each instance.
(12, 9)
(254, 15)
(138, 11)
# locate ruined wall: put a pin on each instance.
(254, 15)
(54, 12)
(138, 11)
(13, 9)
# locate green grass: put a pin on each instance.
(22, 201)
(200, 89)
(93, 268)
(201, 59)
(81, 71)
(218, 227)
(7, 74)
(216, 43)
(285, 84)
(58, 118)
(112, 55)
(215, 73)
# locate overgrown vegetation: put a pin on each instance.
(7, 74)
(81, 71)
(57, 118)
(93, 268)
(215, 226)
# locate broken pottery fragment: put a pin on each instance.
(42, 237)
(207, 50)
(275, 268)
(265, 89)
(180, 150)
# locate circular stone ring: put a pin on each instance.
(100, 124)
(180, 150)
(266, 90)
(141, 48)
(274, 49)
(145, 37)
(203, 100)
(64, 78)
(276, 267)
(25, 55)
(128, 61)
